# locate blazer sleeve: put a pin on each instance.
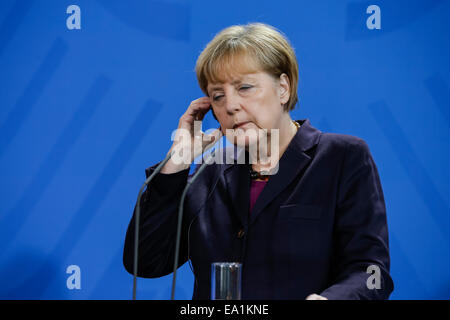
(158, 225)
(361, 262)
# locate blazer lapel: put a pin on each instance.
(238, 185)
(292, 162)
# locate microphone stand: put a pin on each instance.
(180, 219)
(137, 216)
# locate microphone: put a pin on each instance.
(137, 215)
(180, 219)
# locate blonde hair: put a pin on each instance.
(255, 47)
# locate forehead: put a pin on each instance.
(232, 69)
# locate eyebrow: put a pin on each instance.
(212, 88)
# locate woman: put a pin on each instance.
(309, 223)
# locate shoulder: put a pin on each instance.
(342, 141)
(343, 144)
(343, 149)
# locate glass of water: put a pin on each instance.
(226, 278)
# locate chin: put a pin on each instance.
(247, 143)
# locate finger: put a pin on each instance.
(197, 112)
(202, 111)
(199, 104)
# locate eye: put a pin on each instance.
(244, 87)
(217, 98)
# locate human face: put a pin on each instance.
(249, 101)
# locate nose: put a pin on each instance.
(233, 102)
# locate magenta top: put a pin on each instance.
(255, 189)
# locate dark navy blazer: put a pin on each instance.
(317, 226)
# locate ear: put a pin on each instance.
(285, 88)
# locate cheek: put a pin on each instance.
(262, 110)
(267, 118)
(223, 118)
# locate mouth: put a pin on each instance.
(240, 124)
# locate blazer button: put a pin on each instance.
(241, 233)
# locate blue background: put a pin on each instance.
(84, 112)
